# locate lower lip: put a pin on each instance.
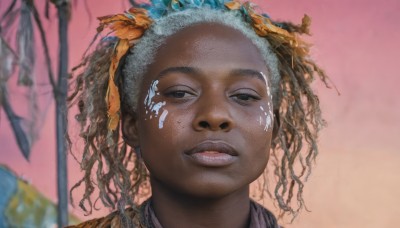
(212, 159)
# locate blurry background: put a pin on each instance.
(356, 180)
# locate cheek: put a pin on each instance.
(163, 125)
(260, 132)
(161, 140)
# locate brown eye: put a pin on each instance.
(245, 97)
(177, 94)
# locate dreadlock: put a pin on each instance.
(119, 174)
(299, 119)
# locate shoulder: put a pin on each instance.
(112, 220)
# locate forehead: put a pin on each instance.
(208, 46)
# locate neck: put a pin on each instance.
(174, 209)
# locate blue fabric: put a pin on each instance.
(8, 187)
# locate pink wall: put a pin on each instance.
(355, 182)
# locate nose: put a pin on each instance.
(213, 116)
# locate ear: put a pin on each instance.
(277, 124)
(130, 131)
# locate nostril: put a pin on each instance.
(204, 124)
(224, 125)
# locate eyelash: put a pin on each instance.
(175, 94)
(245, 98)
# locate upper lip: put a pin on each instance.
(218, 146)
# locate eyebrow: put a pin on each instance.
(180, 69)
(197, 71)
(249, 72)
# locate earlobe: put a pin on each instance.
(129, 129)
(277, 124)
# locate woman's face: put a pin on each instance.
(204, 118)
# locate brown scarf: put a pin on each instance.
(259, 216)
(144, 217)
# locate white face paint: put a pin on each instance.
(268, 123)
(153, 108)
(267, 117)
(162, 119)
(148, 101)
(266, 84)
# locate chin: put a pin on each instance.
(214, 188)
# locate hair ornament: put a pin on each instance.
(262, 24)
(128, 28)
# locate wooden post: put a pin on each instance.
(62, 113)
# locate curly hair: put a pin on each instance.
(120, 175)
